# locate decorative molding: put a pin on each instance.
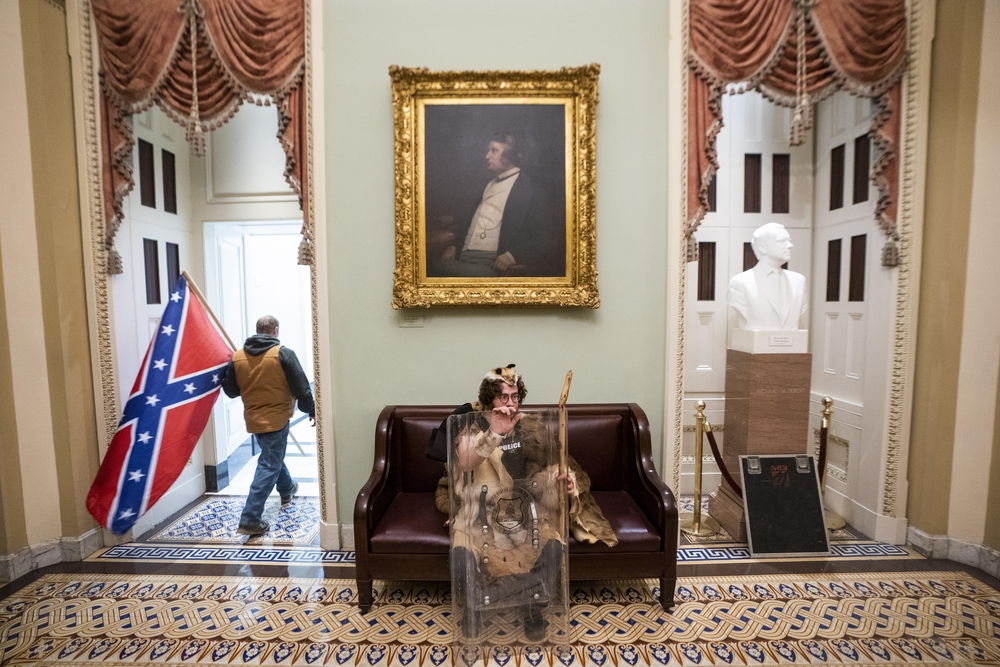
(680, 255)
(832, 470)
(690, 460)
(315, 231)
(60, 550)
(944, 547)
(92, 207)
(715, 428)
(913, 137)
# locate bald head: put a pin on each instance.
(267, 325)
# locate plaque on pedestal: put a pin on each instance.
(795, 341)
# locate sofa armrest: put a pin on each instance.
(374, 497)
(652, 495)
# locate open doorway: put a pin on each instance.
(250, 271)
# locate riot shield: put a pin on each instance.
(509, 557)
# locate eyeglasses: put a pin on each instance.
(509, 398)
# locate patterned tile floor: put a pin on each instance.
(215, 521)
(868, 618)
(207, 533)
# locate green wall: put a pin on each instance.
(617, 351)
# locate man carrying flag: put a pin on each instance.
(165, 413)
(270, 378)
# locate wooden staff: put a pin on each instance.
(197, 292)
(563, 397)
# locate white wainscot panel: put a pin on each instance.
(753, 116)
(245, 161)
(855, 345)
(782, 117)
(704, 342)
(830, 343)
(234, 424)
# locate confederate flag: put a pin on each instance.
(164, 416)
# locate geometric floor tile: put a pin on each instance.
(722, 547)
(215, 520)
(247, 554)
(871, 618)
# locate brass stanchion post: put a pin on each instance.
(833, 520)
(695, 523)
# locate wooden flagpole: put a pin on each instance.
(201, 297)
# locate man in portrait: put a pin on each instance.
(511, 230)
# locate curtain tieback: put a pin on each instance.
(802, 119)
(195, 135)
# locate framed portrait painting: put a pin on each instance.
(495, 187)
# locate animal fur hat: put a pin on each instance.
(505, 375)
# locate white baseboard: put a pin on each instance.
(61, 550)
(329, 536)
(347, 537)
(876, 526)
(950, 548)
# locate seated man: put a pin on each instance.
(501, 394)
(508, 549)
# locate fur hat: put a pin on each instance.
(505, 375)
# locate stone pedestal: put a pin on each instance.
(727, 508)
(767, 412)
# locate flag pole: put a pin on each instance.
(201, 297)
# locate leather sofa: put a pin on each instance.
(400, 535)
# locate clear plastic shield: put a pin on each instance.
(509, 559)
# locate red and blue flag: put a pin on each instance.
(165, 414)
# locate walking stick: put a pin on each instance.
(563, 397)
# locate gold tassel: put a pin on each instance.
(195, 134)
(802, 119)
(890, 254)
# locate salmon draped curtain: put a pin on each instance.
(198, 60)
(796, 53)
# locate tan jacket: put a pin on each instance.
(268, 403)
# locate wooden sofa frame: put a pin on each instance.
(399, 534)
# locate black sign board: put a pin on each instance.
(783, 506)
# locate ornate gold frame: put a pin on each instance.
(411, 87)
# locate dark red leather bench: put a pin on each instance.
(400, 535)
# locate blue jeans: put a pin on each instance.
(270, 469)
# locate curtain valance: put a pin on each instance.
(796, 53)
(198, 60)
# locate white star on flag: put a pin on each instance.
(144, 437)
(169, 329)
(152, 400)
(159, 364)
(175, 297)
(215, 378)
(189, 388)
(135, 476)
(126, 514)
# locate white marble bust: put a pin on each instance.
(768, 297)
